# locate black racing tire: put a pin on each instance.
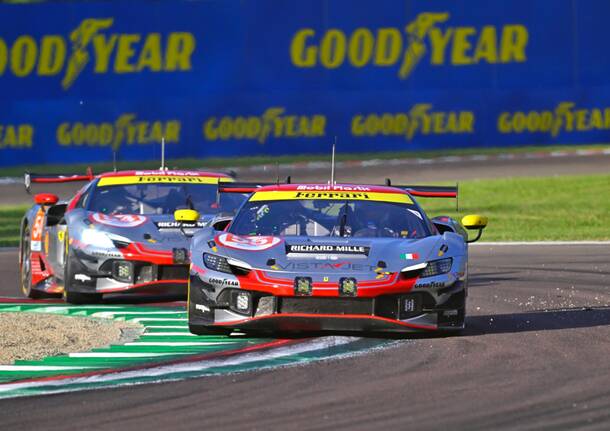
(68, 295)
(78, 298)
(25, 266)
(208, 330)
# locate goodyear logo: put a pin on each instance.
(126, 129)
(94, 44)
(404, 48)
(272, 123)
(16, 135)
(420, 119)
(566, 117)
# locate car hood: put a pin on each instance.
(156, 231)
(326, 255)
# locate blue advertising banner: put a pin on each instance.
(233, 77)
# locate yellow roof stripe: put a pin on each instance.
(156, 179)
(281, 195)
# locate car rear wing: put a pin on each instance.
(242, 187)
(415, 190)
(30, 178)
(430, 191)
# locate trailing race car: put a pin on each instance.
(311, 257)
(118, 233)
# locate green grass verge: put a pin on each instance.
(10, 217)
(568, 208)
(519, 209)
(221, 163)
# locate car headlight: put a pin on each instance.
(96, 238)
(227, 265)
(101, 239)
(216, 263)
(437, 267)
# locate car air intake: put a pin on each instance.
(173, 272)
(311, 305)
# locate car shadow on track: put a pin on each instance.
(547, 320)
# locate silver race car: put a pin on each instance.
(311, 257)
(118, 233)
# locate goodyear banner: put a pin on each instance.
(233, 77)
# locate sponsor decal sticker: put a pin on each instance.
(162, 225)
(119, 220)
(147, 179)
(223, 282)
(323, 248)
(82, 277)
(281, 195)
(251, 243)
(430, 285)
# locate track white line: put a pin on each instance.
(168, 334)
(40, 367)
(120, 354)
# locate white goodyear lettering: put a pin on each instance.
(16, 136)
(93, 42)
(564, 118)
(124, 130)
(405, 47)
(272, 123)
(420, 119)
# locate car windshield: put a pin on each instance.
(317, 217)
(162, 198)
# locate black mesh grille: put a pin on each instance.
(173, 272)
(326, 305)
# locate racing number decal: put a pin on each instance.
(37, 231)
(254, 243)
(119, 220)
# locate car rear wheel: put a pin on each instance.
(25, 266)
(69, 295)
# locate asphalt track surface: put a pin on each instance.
(438, 170)
(535, 355)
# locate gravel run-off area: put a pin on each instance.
(30, 336)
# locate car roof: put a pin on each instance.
(333, 188)
(165, 173)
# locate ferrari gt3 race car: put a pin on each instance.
(312, 257)
(117, 234)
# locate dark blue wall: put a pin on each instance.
(230, 77)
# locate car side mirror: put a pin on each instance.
(186, 215)
(46, 199)
(475, 222)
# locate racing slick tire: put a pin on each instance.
(25, 266)
(75, 297)
(208, 330)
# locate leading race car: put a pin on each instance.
(117, 234)
(347, 257)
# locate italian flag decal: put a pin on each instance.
(409, 256)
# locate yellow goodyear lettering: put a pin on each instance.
(404, 48)
(16, 136)
(563, 118)
(93, 42)
(125, 130)
(271, 124)
(420, 119)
